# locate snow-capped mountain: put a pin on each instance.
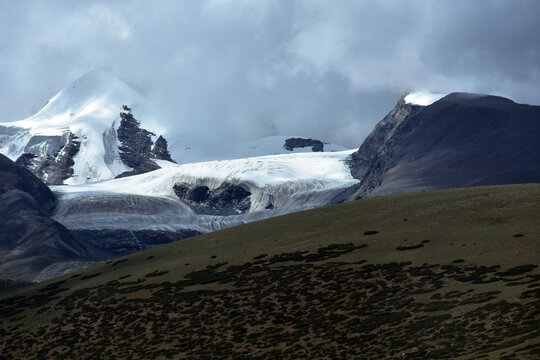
(86, 132)
(96, 129)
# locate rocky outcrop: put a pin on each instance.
(136, 149)
(459, 141)
(50, 157)
(376, 143)
(227, 199)
(293, 143)
(136, 143)
(29, 239)
(62, 167)
(160, 151)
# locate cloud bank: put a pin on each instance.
(241, 69)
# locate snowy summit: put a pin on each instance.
(74, 138)
(423, 98)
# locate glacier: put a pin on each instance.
(289, 182)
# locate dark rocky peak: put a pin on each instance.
(461, 140)
(293, 143)
(136, 145)
(160, 151)
(362, 160)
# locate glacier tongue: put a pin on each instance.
(277, 185)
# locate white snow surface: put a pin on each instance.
(423, 98)
(290, 182)
(89, 108)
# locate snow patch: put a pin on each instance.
(423, 98)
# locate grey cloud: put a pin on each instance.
(242, 69)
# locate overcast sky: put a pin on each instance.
(252, 68)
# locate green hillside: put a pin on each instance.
(429, 275)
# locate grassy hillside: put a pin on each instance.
(430, 275)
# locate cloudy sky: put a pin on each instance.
(251, 68)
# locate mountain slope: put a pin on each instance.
(376, 142)
(420, 275)
(29, 239)
(74, 138)
(460, 140)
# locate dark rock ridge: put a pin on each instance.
(50, 157)
(136, 148)
(160, 151)
(29, 239)
(136, 143)
(375, 144)
(293, 143)
(122, 242)
(227, 199)
(461, 140)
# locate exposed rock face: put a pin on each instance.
(227, 199)
(292, 143)
(50, 157)
(160, 151)
(461, 140)
(29, 239)
(64, 160)
(136, 148)
(375, 144)
(136, 143)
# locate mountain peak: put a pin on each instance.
(92, 99)
(94, 86)
(463, 139)
(73, 138)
